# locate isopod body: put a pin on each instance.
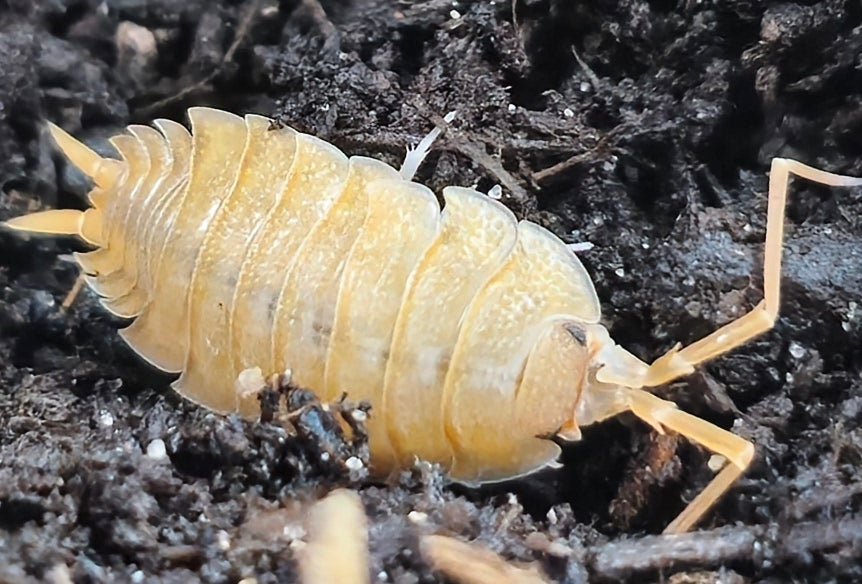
(474, 336)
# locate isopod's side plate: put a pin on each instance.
(156, 229)
(160, 334)
(403, 220)
(317, 180)
(116, 281)
(108, 259)
(208, 372)
(306, 308)
(128, 296)
(542, 279)
(477, 235)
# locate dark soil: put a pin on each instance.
(644, 127)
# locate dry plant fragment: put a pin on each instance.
(469, 563)
(475, 337)
(337, 550)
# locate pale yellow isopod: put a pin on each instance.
(475, 337)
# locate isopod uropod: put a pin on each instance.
(474, 336)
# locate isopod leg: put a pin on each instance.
(73, 292)
(661, 414)
(681, 361)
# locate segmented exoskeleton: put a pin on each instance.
(474, 336)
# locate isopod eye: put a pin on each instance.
(577, 331)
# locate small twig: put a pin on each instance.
(831, 497)
(600, 150)
(543, 176)
(719, 546)
(495, 168)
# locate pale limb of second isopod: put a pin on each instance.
(678, 362)
(416, 155)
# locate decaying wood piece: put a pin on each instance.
(717, 547)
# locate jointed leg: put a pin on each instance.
(662, 414)
(681, 361)
(73, 293)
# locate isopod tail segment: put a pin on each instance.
(104, 172)
(617, 385)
